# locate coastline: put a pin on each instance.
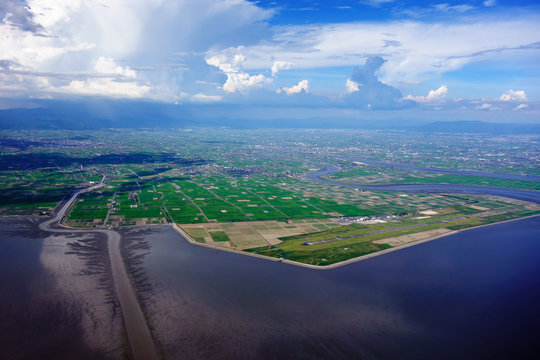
(189, 239)
(192, 241)
(138, 334)
(65, 205)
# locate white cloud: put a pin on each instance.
(79, 41)
(521, 107)
(433, 95)
(203, 98)
(296, 89)
(351, 86)
(242, 82)
(453, 8)
(485, 106)
(107, 87)
(108, 66)
(237, 80)
(416, 55)
(281, 65)
(376, 3)
(490, 2)
(437, 94)
(419, 12)
(511, 95)
(226, 65)
(132, 45)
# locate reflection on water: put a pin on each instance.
(55, 295)
(453, 297)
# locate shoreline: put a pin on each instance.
(190, 240)
(138, 334)
(64, 205)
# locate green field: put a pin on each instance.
(326, 253)
(211, 179)
(363, 174)
(219, 236)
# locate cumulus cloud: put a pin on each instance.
(237, 80)
(303, 85)
(415, 54)
(351, 86)
(511, 95)
(369, 90)
(281, 65)
(109, 66)
(158, 48)
(432, 96)
(81, 42)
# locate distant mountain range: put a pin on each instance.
(99, 114)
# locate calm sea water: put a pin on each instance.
(55, 296)
(472, 295)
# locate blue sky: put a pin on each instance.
(372, 59)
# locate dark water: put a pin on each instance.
(525, 195)
(472, 295)
(54, 296)
(451, 171)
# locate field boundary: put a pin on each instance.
(189, 239)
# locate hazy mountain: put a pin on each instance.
(101, 114)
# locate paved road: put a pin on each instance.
(140, 340)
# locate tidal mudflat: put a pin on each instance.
(57, 300)
(469, 295)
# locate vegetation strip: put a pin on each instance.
(380, 231)
(192, 241)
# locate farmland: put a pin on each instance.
(246, 190)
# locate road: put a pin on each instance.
(140, 340)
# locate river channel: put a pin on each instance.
(518, 194)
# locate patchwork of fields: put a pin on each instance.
(161, 198)
(247, 190)
(358, 173)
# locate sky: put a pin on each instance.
(372, 59)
